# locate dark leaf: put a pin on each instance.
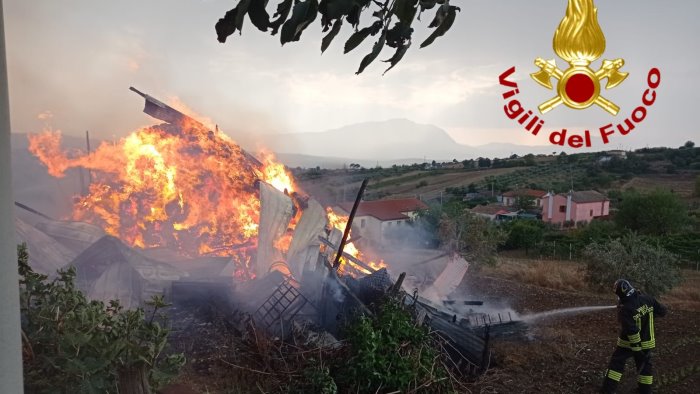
(444, 26)
(258, 15)
(334, 9)
(226, 25)
(303, 14)
(398, 55)
(354, 15)
(427, 4)
(283, 9)
(373, 55)
(242, 10)
(440, 15)
(331, 35)
(405, 10)
(398, 35)
(357, 37)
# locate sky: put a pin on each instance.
(71, 62)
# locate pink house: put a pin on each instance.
(574, 207)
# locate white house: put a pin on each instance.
(375, 219)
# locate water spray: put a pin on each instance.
(564, 311)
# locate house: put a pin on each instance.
(612, 154)
(491, 211)
(509, 198)
(574, 207)
(374, 220)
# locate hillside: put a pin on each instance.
(671, 169)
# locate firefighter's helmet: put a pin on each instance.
(623, 288)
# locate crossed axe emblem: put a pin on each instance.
(578, 86)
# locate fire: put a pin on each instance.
(340, 222)
(184, 187)
(276, 175)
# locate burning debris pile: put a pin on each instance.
(179, 208)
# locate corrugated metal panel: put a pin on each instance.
(275, 213)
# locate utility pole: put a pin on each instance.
(10, 333)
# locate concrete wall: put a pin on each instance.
(585, 212)
(558, 215)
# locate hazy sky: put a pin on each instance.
(71, 63)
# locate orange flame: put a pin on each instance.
(340, 222)
(182, 186)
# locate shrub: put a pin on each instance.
(649, 267)
(657, 213)
(389, 352)
(74, 345)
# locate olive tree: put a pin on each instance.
(650, 267)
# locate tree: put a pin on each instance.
(484, 162)
(689, 144)
(524, 234)
(529, 160)
(524, 202)
(657, 213)
(651, 268)
(474, 238)
(291, 21)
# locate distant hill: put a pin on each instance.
(393, 141)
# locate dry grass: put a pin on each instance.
(552, 274)
(686, 296)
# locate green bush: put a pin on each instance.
(652, 268)
(73, 345)
(388, 353)
(659, 212)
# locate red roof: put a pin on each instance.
(491, 209)
(525, 192)
(386, 209)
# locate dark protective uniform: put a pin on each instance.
(636, 313)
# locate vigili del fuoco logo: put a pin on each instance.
(579, 41)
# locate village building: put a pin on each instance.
(491, 211)
(510, 198)
(375, 220)
(574, 207)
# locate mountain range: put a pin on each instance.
(395, 141)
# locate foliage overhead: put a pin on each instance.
(392, 22)
(74, 345)
(651, 268)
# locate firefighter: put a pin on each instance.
(636, 313)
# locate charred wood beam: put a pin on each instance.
(348, 256)
(397, 286)
(452, 302)
(346, 233)
(32, 210)
(334, 277)
(432, 259)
